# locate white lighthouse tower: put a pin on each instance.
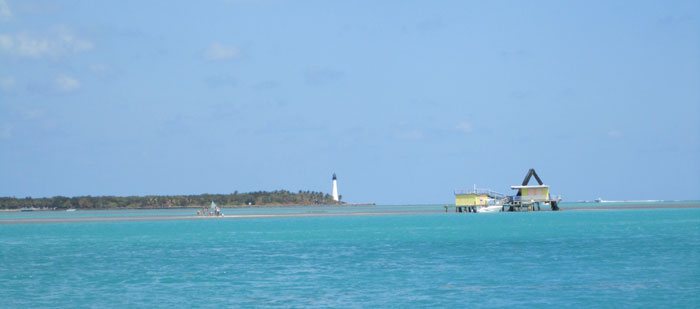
(335, 188)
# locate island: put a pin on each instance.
(235, 199)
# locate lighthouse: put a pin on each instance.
(335, 188)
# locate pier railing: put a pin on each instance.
(515, 198)
(480, 191)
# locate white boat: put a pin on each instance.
(71, 209)
(492, 205)
(489, 209)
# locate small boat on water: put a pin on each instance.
(71, 209)
(600, 200)
(492, 205)
(489, 208)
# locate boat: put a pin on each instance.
(492, 205)
(71, 209)
(489, 208)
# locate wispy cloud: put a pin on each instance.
(464, 127)
(321, 76)
(60, 42)
(64, 83)
(220, 52)
(5, 12)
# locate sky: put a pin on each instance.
(405, 100)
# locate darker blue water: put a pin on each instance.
(630, 258)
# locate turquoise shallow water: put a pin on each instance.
(631, 258)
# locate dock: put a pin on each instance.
(504, 208)
(528, 198)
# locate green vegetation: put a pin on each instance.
(260, 198)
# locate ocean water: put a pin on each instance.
(630, 258)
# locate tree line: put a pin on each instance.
(259, 198)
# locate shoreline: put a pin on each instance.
(193, 207)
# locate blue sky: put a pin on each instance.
(404, 100)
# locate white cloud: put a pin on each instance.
(7, 84)
(5, 13)
(218, 52)
(60, 42)
(464, 126)
(615, 133)
(6, 131)
(66, 83)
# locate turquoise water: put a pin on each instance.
(629, 258)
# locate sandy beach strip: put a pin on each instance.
(438, 209)
(194, 217)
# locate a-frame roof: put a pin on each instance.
(531, 173)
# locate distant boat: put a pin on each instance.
(489, 209)
(600, 200)
(71, 209)
(28, 209)
(492, 205)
